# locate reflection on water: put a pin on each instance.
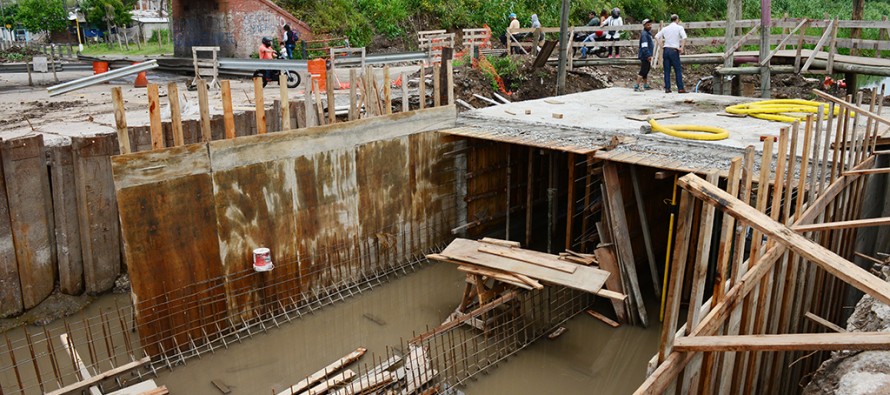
(872, 81)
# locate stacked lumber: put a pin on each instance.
(397, 374)
(506, 262)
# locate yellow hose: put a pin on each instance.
(781, 110)
(710, 133)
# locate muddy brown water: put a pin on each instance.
(590, 355)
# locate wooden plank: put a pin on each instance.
(609, 263)
(120, 120)
(825, 36)
(535, 258)
(260, 103)
(204, 106)
(99, 377)
(324, 372)
(644, 224)
(154, 116)
(331, 102)
(403, 78)
(496, 275)
(30, 214)
(66, 226)
(449, 81)
(97, 211)
(826, 323)
(880, 170)
(859, 223)
(387, 91)
(502, 243)
(619, 227)
(793, 342)
(353, 108)
(285, 103)
(437, 85)
(647, 117)
(228, 112)
(815, 253)
(584, 279)
(421, 86)
(175, 114)
(606, 320)
(678, 272)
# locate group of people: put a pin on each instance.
(604, 19)
(672, 36)
(286, 46)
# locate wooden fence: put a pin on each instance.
(821, 35)
(53, 51)
(794, 265)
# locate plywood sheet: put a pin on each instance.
(169, 230)
(30, 205)
(585, 278)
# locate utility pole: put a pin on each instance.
(563, 47)
(855, 34)
(765, 25)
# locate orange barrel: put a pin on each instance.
(318, 70)
(100, 67)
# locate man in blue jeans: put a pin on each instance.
(674, 38)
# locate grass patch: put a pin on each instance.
(147, 50)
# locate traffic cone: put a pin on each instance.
(141, 80)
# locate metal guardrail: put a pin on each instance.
(22, 68)
(230, 64)
(70, 86)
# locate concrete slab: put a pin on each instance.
(591, 119)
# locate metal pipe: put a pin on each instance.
(70, 86)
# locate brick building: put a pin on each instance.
(236, 26)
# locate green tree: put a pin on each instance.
(42, 15)
(97, 10)
(8, 14)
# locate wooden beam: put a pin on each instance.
(228, 113)
(827, 260)
(843, 103)
(99, 377)
(570, 204)
(859, 223)
(324, 372)
(792, 342)
(619, 227)
(826, 323)
(204, 106)
(175, 114)
(154, 115)
(880, 170)
(285, 102)
(120, 120)
(644, 224)
(819, 45)
(765, 61)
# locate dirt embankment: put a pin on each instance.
(857, 372)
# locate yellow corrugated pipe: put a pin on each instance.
(781, 110)
(691, 132)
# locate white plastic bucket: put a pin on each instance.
(262, 260)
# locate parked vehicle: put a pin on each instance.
(293, 78)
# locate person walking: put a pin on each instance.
(290, 41)
(674, 37)
(645, 56)
(614, 20)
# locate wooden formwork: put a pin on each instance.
(336, 203)
(788, 269)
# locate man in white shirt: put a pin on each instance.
(674, 38)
